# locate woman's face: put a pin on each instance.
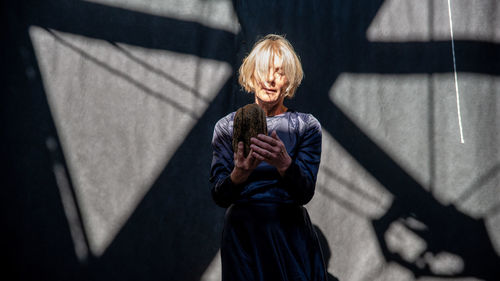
(272, 90)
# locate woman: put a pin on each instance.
(267, 233)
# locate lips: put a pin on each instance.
(269, 90)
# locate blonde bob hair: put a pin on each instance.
(255, 66)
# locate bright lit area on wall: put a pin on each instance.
(216, 14)
(429, 20)
(115, 107)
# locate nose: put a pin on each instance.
(270, 76)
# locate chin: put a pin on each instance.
(269, 101)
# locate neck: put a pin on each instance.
(272, 109)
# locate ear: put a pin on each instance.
(288, 87)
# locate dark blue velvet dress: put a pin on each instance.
(267, 233)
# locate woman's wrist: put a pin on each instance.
(285, 167)
(239, 175)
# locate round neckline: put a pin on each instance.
(278, 115)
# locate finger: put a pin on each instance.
(271, 149)
(261, 151)
(261, 144)
(271, 141)
(250, 157)
(240, 150)
(258, 156)
(280, 144)
(254, 161)
(275, 136)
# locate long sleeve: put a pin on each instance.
(300, 178)
(301, 134)
(223, 190)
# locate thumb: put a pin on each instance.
(275, 135)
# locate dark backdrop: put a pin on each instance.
(108, 110)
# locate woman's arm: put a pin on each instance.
(228, 174)
(300, 178)
(223, 190)
(298, 174)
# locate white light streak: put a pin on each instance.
(455, 73)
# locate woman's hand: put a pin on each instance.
(272, 150)
(243, 167)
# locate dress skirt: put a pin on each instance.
(270, 242)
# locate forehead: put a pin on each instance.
(270, 57)
(277, 61)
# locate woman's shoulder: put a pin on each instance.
(226, 119)
(305, 121)
(225, 124)
(306, 117)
